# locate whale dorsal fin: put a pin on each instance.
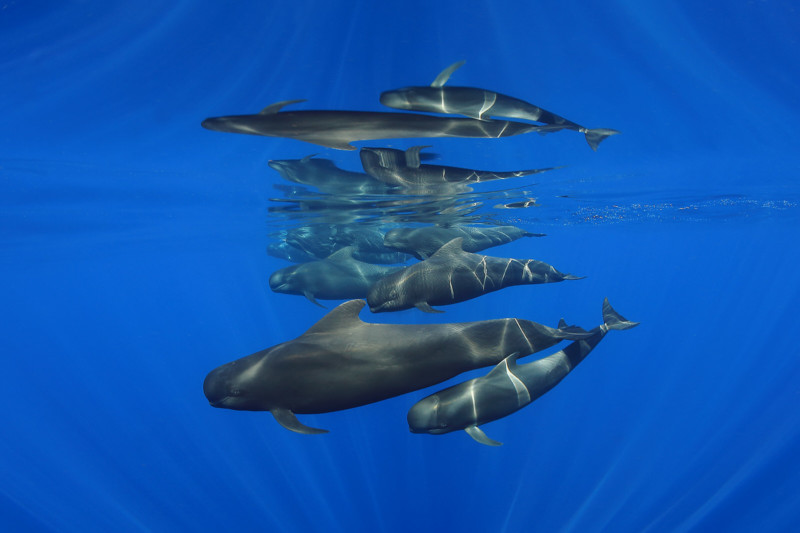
(274, 108)
(453, 247)
(413, 159)
(287, 419)
(307, 158)
(342, 254)
(505, 365)
(342, 316)
(444, 75)
(476, 433)
(505, 370)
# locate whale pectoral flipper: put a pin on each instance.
(426, 307)
(476, 433)
(313, 300)
(328, 142)
(444, 75)
(287, 419)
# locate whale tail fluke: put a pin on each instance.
(596, 136)
(614, 320)
(566, 328)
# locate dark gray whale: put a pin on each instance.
(337, 277)
(480, 104)
(400, 168)
(452, 275)
(337, 129)
(342, 362)
(506, 389)
(320, 240)
(422, 242)
(327, 177)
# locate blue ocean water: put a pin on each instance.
(133, 261)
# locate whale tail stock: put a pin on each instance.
(595, 136)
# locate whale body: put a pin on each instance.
(480, 104)
(506, 389)
(342, 362)
(337, 129)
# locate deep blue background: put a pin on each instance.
(132, 260)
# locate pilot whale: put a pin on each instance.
(337, 277)
(452, 275)
(337, 129)
(422, 242)
(480, 104)
(324, 175)
(506, 389)
(342, 362)
(404, 169)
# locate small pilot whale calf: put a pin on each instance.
(480, 104)
(404, 169)
(506, 389)
(422, 242)
(337, 129)
(452, 275)
(337, 277)
(342, 362)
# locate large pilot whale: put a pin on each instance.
(506, 389)
(337, 129)
(342, 362)
(452, 275)
(480, 104)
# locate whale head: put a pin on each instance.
(451, 409)
(397, 99)
(397, 238)
(284, 280)
(385, 295)
(425, 417)
(236, 386)
(248, 124)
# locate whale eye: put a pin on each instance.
(236, 392)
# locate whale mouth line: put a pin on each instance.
(218, 403)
